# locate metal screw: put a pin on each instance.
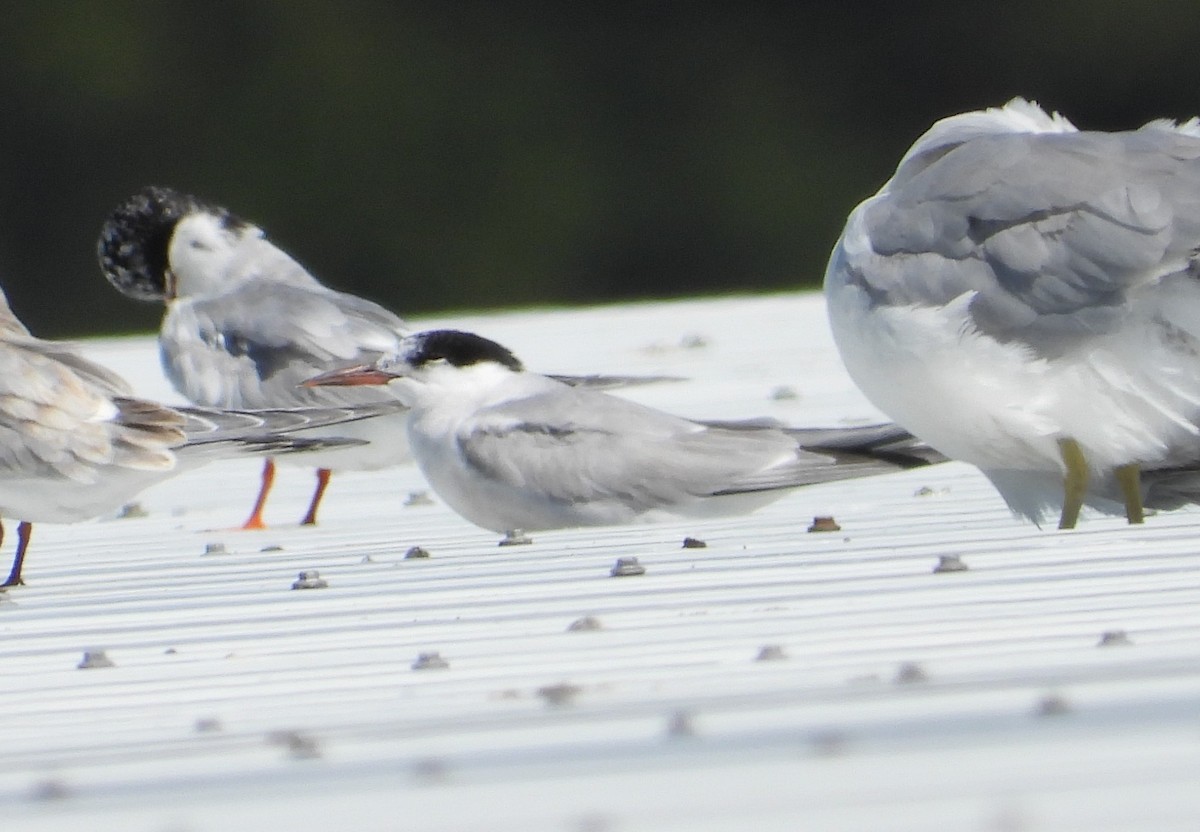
(1114, 638)
(430, 661)
(949, 563)
(585, 624)
(770, 653)
(310, 579)
(515, 537)
(94, 658)
(824, 524)
(625, 567)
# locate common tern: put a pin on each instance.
(245, 323)
(1025, 297)
(511, 449)
(75, 443)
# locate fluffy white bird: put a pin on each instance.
(245, 324)
(1025, 297)
(510, 449)
(75, 443)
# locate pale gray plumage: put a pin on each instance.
(253, 345)
(1019, 288)
(579, 457)
(245, 323)
(1051, 230)
(509, 449)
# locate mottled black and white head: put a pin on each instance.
(160, 237)
(423, 354)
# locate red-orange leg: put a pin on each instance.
(255, 521)
(310, 519)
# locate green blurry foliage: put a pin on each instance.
(452, 155)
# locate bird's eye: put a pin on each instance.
(199, 246)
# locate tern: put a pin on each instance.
(1025, 297)
(507, 448)
(245, 323)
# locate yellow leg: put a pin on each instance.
(1129, 477)
(1074, 482)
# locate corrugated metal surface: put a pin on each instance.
(898, 698)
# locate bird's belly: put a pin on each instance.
(61, 500)
(493, 504)
(500, 507)
(1000, 406)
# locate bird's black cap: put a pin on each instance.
(460, 349)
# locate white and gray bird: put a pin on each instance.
(245, 323)
(511, 449)
(1025, 297)
(75, 442)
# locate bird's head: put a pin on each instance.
(162, 243)
(422, 355)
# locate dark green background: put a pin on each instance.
(454, 155)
